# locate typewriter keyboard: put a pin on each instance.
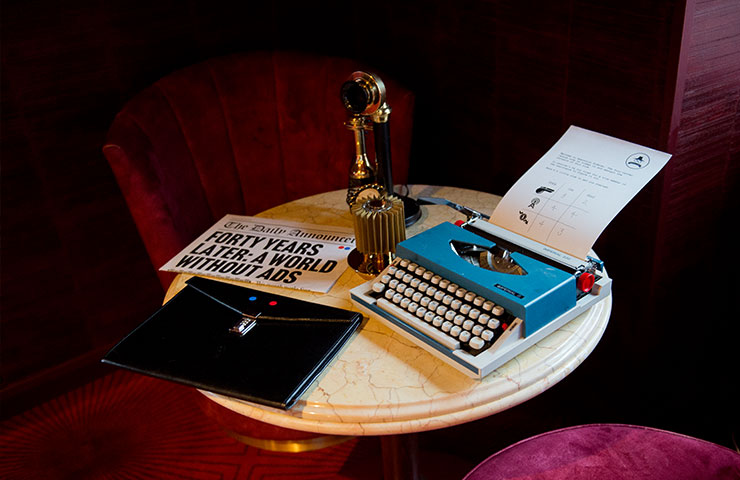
(445, 312)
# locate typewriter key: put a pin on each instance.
(476, 343)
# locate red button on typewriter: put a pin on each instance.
(585, 282)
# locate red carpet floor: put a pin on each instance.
(127, 426)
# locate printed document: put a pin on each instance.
(570, 195)
(267, 251)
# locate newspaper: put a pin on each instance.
(270, 252)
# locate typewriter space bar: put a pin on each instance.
(418, 324)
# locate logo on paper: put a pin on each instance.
(637, 161)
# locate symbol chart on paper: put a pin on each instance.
(555, 213)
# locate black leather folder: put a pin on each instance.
(237, 341)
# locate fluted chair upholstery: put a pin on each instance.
(238, 134)
(610, 452)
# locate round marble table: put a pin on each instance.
(382, 384)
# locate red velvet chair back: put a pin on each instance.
(238, 134)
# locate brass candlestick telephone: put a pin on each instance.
(364, 97)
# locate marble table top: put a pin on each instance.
(381, 383)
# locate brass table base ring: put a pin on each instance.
(289, 446)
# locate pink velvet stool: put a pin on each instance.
(610, 452)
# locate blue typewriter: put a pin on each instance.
(478, 295)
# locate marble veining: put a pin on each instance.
(381, 383)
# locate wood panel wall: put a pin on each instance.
(692, 275)
(497, 82)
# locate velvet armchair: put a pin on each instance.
(238, 134)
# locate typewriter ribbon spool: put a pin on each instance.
(379, 227)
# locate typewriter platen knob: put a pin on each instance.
(585, 282)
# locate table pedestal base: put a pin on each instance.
(400, 456)
(289, 446)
